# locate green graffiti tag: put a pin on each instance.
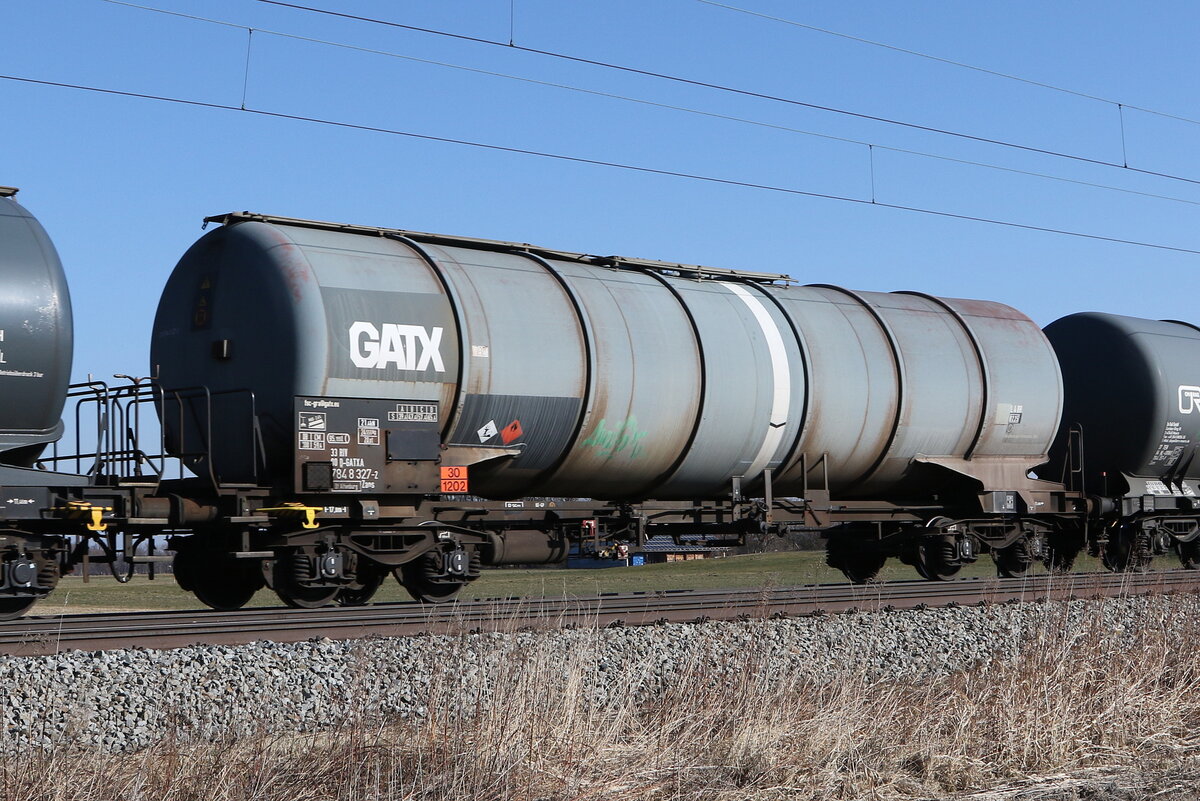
(624, 437)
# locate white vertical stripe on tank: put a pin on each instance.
(781, 376)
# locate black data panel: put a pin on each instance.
(347, 444)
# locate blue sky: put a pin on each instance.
(123, 183)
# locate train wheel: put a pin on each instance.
(225, 593)
(14, 607)
(1122, 552)
(863, 568)
(1189, 554)
(424, 582)
(217, 579)
(1062, 548)
(1015, 560)
(933, 559)
(49, 570)
(291, 583)
(369, 577)
(1060, 560)
(38, 572)
(859, 560)
(307, 597)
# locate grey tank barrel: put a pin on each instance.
(602, 377)
(1133, 392)
(35, 335)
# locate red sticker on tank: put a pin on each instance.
(511, 431)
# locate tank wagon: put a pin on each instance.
(379, 361)
(1133, 412)
(352, 402)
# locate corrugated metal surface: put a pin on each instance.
(35, 336)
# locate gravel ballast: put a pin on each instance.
(126, 700)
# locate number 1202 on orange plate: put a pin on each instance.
(454, 479)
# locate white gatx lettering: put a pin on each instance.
(406, 347)
(364, 344)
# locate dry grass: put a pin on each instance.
(1079, 707)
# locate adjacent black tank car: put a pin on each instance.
(1132, 426)
(353, 402)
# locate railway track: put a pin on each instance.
(51, 634)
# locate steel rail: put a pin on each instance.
(42, 635)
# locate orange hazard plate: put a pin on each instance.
(454, 479)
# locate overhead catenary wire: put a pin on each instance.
(736, 90)
(871, 146)
(795, 191)
(949, 61)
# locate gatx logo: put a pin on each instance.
(406, 347)
(1189, 399)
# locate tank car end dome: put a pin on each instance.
(35, 335)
